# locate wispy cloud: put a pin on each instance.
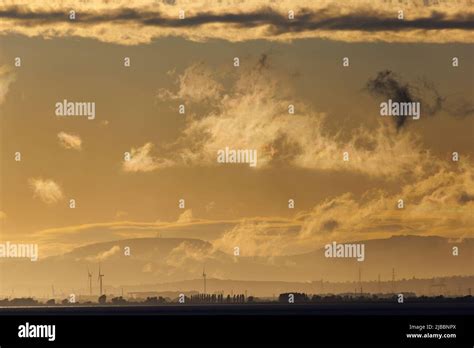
(435, 205)
(141, 160)
(70, 141)
(253, 114)
(257, 238)
(61, 239)
(7, 77)
(102, 256)
(47, 190)
(195, 84)
(186, 253)
(186, 216)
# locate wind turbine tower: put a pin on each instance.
(89, 275)
(393, 280)
(100, 281)
(204, 279)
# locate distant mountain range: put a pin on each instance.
(165, 260)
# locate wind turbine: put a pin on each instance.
(100, 280)
(89, 275)
(204, 278)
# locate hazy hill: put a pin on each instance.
(159, 260)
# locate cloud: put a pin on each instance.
(188, 252)
(196, 84)
(389, 85)
(47, 190)
(70, 141)
(256, 239)
(3, 216)
(142, 21)
(141, 160)
(210, 206)
(440, 204)
(253, 114)
(185, 217)
(59, 239)
(437, 204)
(120, 214)
(432, 206)
(147, 268)
(7, 77)
(104, 255)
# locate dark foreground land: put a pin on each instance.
(278, 309)
(261, 324)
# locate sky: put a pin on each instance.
(190, 62)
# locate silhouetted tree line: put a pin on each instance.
(119, 300)
(295, 297)
(155, 300)
(408, 297)
(216, 298)
(27, 301)
(240, 298)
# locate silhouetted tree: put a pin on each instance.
(102, 299)
(119, 300)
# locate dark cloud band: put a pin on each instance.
(277, 22)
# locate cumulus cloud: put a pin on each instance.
(141, 160)
(7, 77)
(47, 190)
(142, 21)
(70, 141)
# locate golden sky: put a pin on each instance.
(173, 156)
